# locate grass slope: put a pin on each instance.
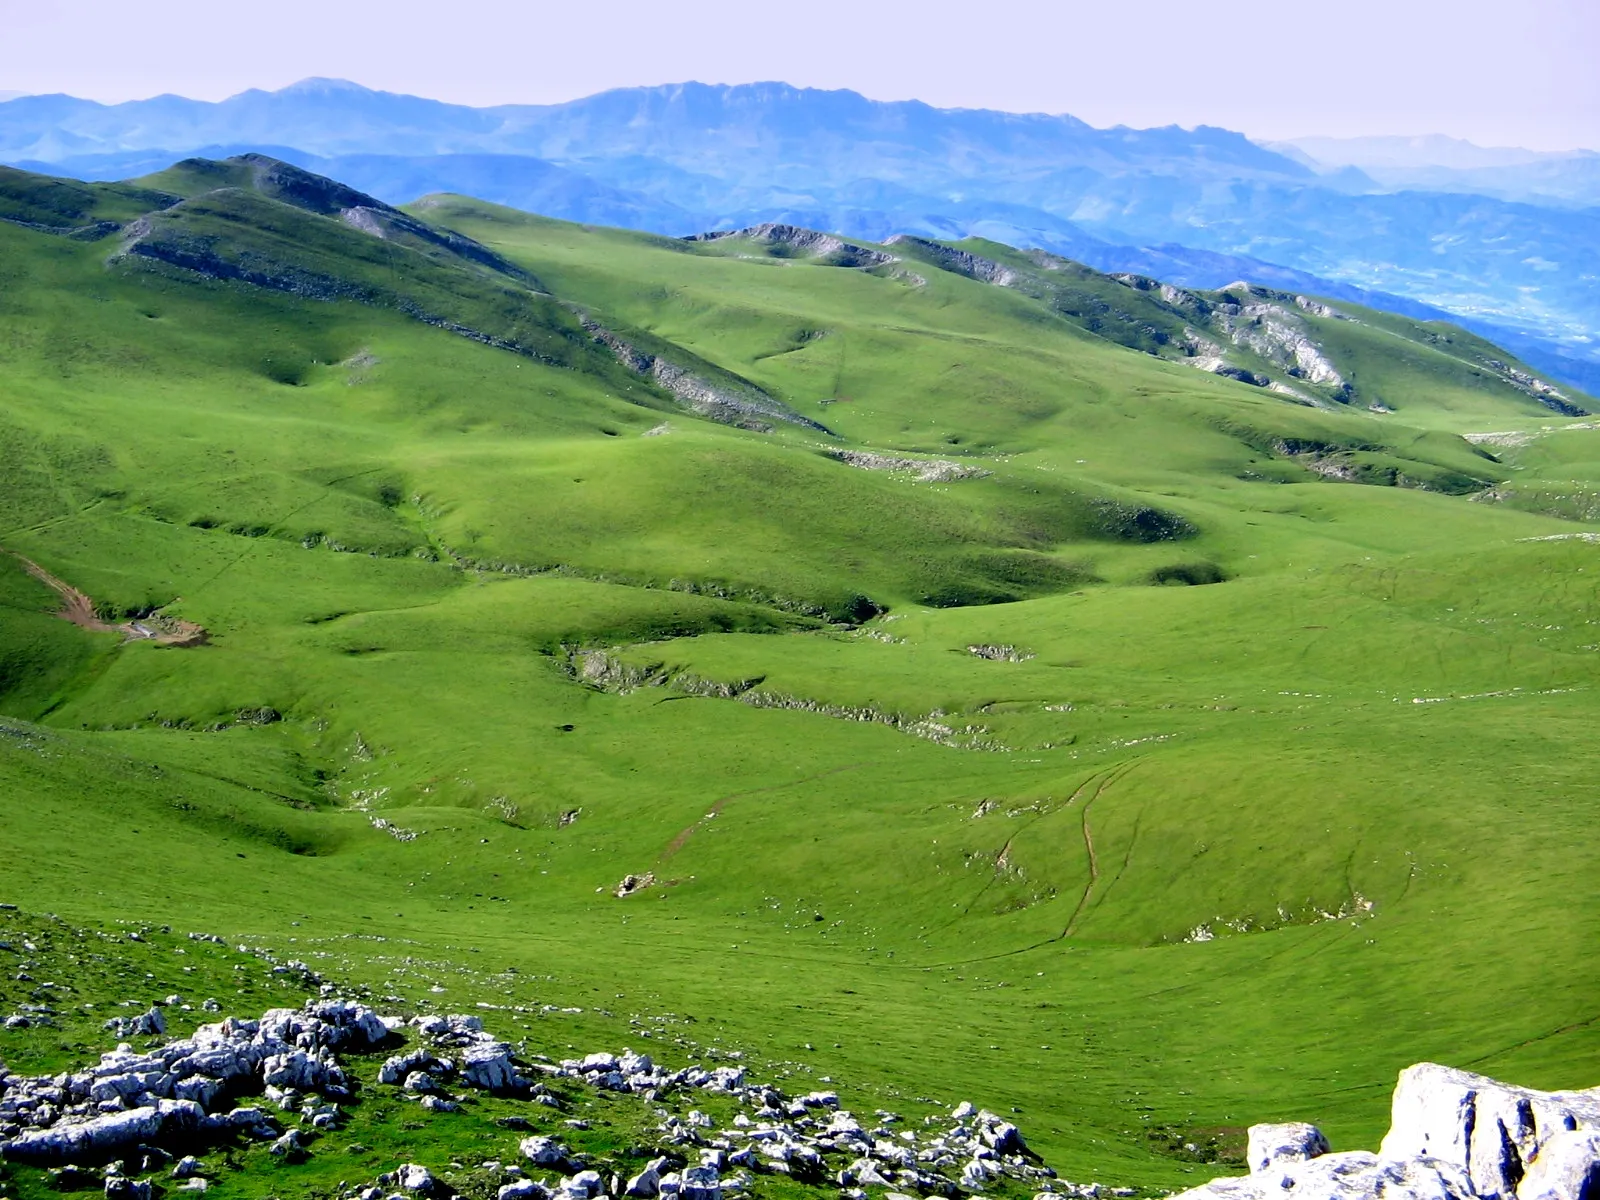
(1143, 862)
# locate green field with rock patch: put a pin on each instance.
(926, 673)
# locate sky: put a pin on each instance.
(1496, 72)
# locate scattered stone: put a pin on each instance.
(543, 1151)
(119, 1187)
(148, 1024)
(923, 470)
(292, 1057)
(1000, 653)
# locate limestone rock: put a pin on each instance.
(700, 1183)
(1485, 1129)
(121, 1188)
(543, 1151)
(1567, 1168)
(583, 1186)
(396, 1069)
(1353, 1176)
(647, 1183)
(489, 1066)
(147, 1024)
(1271, 1145)
(89, 1139)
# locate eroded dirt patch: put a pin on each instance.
(80, 610)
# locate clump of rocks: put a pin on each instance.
(1453, 1135)
(184, 1088)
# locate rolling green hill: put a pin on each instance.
(1000, 706)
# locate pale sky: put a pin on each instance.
(1497, 72)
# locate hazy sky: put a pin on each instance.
(1499, 72)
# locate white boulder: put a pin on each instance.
(1488, 1130)
(543, 1151)
(414, 1177)
(1272, 1145)
(647, 1183)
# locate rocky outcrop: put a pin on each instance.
(78, 233)
(391, 225)
(1273, 333)
(960, 262)
(1453, 1135)
(156, 239)
(1318, 309)
(729, 402)
(834, 250)
(601, 670)
(1491, 1130)
(304, 189)
(1551, 397)
(1273, 1145)
(924, 470)
(1000, 653)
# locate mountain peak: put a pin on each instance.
(319, 84)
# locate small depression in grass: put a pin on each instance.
(1189, 574)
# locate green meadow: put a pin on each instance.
(1191, 757)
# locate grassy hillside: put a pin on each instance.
(1003, 710)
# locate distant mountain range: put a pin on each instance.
(1442, 164)
(1506, 242)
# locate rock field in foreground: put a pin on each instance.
(135, 1109)
(1454, 1135)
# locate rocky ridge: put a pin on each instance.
(835, 250)
(606, 672)
(1453, 1136)
(1268, 328)
(733, 403)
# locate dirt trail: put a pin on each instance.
(79, 609)
(1088, 842)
